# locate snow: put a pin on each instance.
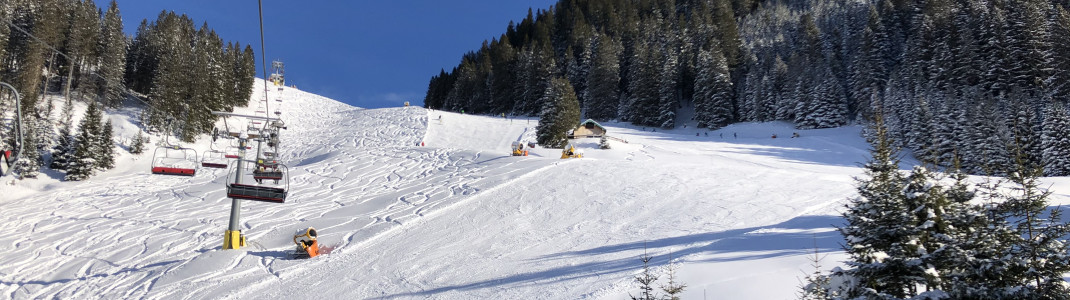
(457, 218)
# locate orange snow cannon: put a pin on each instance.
(307, 246)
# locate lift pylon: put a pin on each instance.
(256, 180)
(7, 158)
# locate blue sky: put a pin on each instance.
(365, 53)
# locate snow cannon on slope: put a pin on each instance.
(307, 246)
(570, 151)
(518, 149)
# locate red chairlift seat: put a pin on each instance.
(275, 175)
(254, 187)
(256, 193)
(232, 156)
(174, 171)
(214, 159)
(214, 165)
(174, 161)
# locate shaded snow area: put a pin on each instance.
(456, 218)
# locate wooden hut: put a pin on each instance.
(587, 129)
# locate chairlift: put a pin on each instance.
(259, 183)
(214, 159)
(267, 171)
(174, 160)
(278, 112)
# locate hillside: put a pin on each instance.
(455, 219)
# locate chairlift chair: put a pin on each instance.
(273, 190)
(214, 159)
(174, 161)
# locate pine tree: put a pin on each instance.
(112, 48)
(561, 112)
(106, 156)
(82, 45)
(646, 280)
(1055, 141)
(668, 89)
(876, 239)
(603, 82)
(713, 88)
(1040, 256)
(673, 288)
(61, 152)
(1059, 55)
(86, 149)
(137, 146)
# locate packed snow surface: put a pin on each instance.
(415, 203)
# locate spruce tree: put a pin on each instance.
(603, 82)
(86, 149)
(876, 238)
(1040, 256)
(713, 88)
(1059, 55)
(112, 48)
(1055, 141)
(560, 113)
(61, 152)
(106, 157)
(137, 146)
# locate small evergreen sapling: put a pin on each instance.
(646, 279)
(137, 146)
(673, 288)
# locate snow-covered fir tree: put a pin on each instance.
(64, 145)
(86, 146)
(112, 47)
(713, 90)
(1055, 141)
(560, 113)
(106, 145)
(603, 81)
(61, 152)
(137, 146)
(1039, 255)
(876, 240)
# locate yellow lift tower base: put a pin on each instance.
(233, 239)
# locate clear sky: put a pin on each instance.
(365, 53)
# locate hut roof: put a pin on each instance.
(584, 123)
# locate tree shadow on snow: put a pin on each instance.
(797, 236)
(87, 277)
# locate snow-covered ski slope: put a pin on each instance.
(456, 218)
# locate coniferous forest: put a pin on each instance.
(179, 71)
(953, 78)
